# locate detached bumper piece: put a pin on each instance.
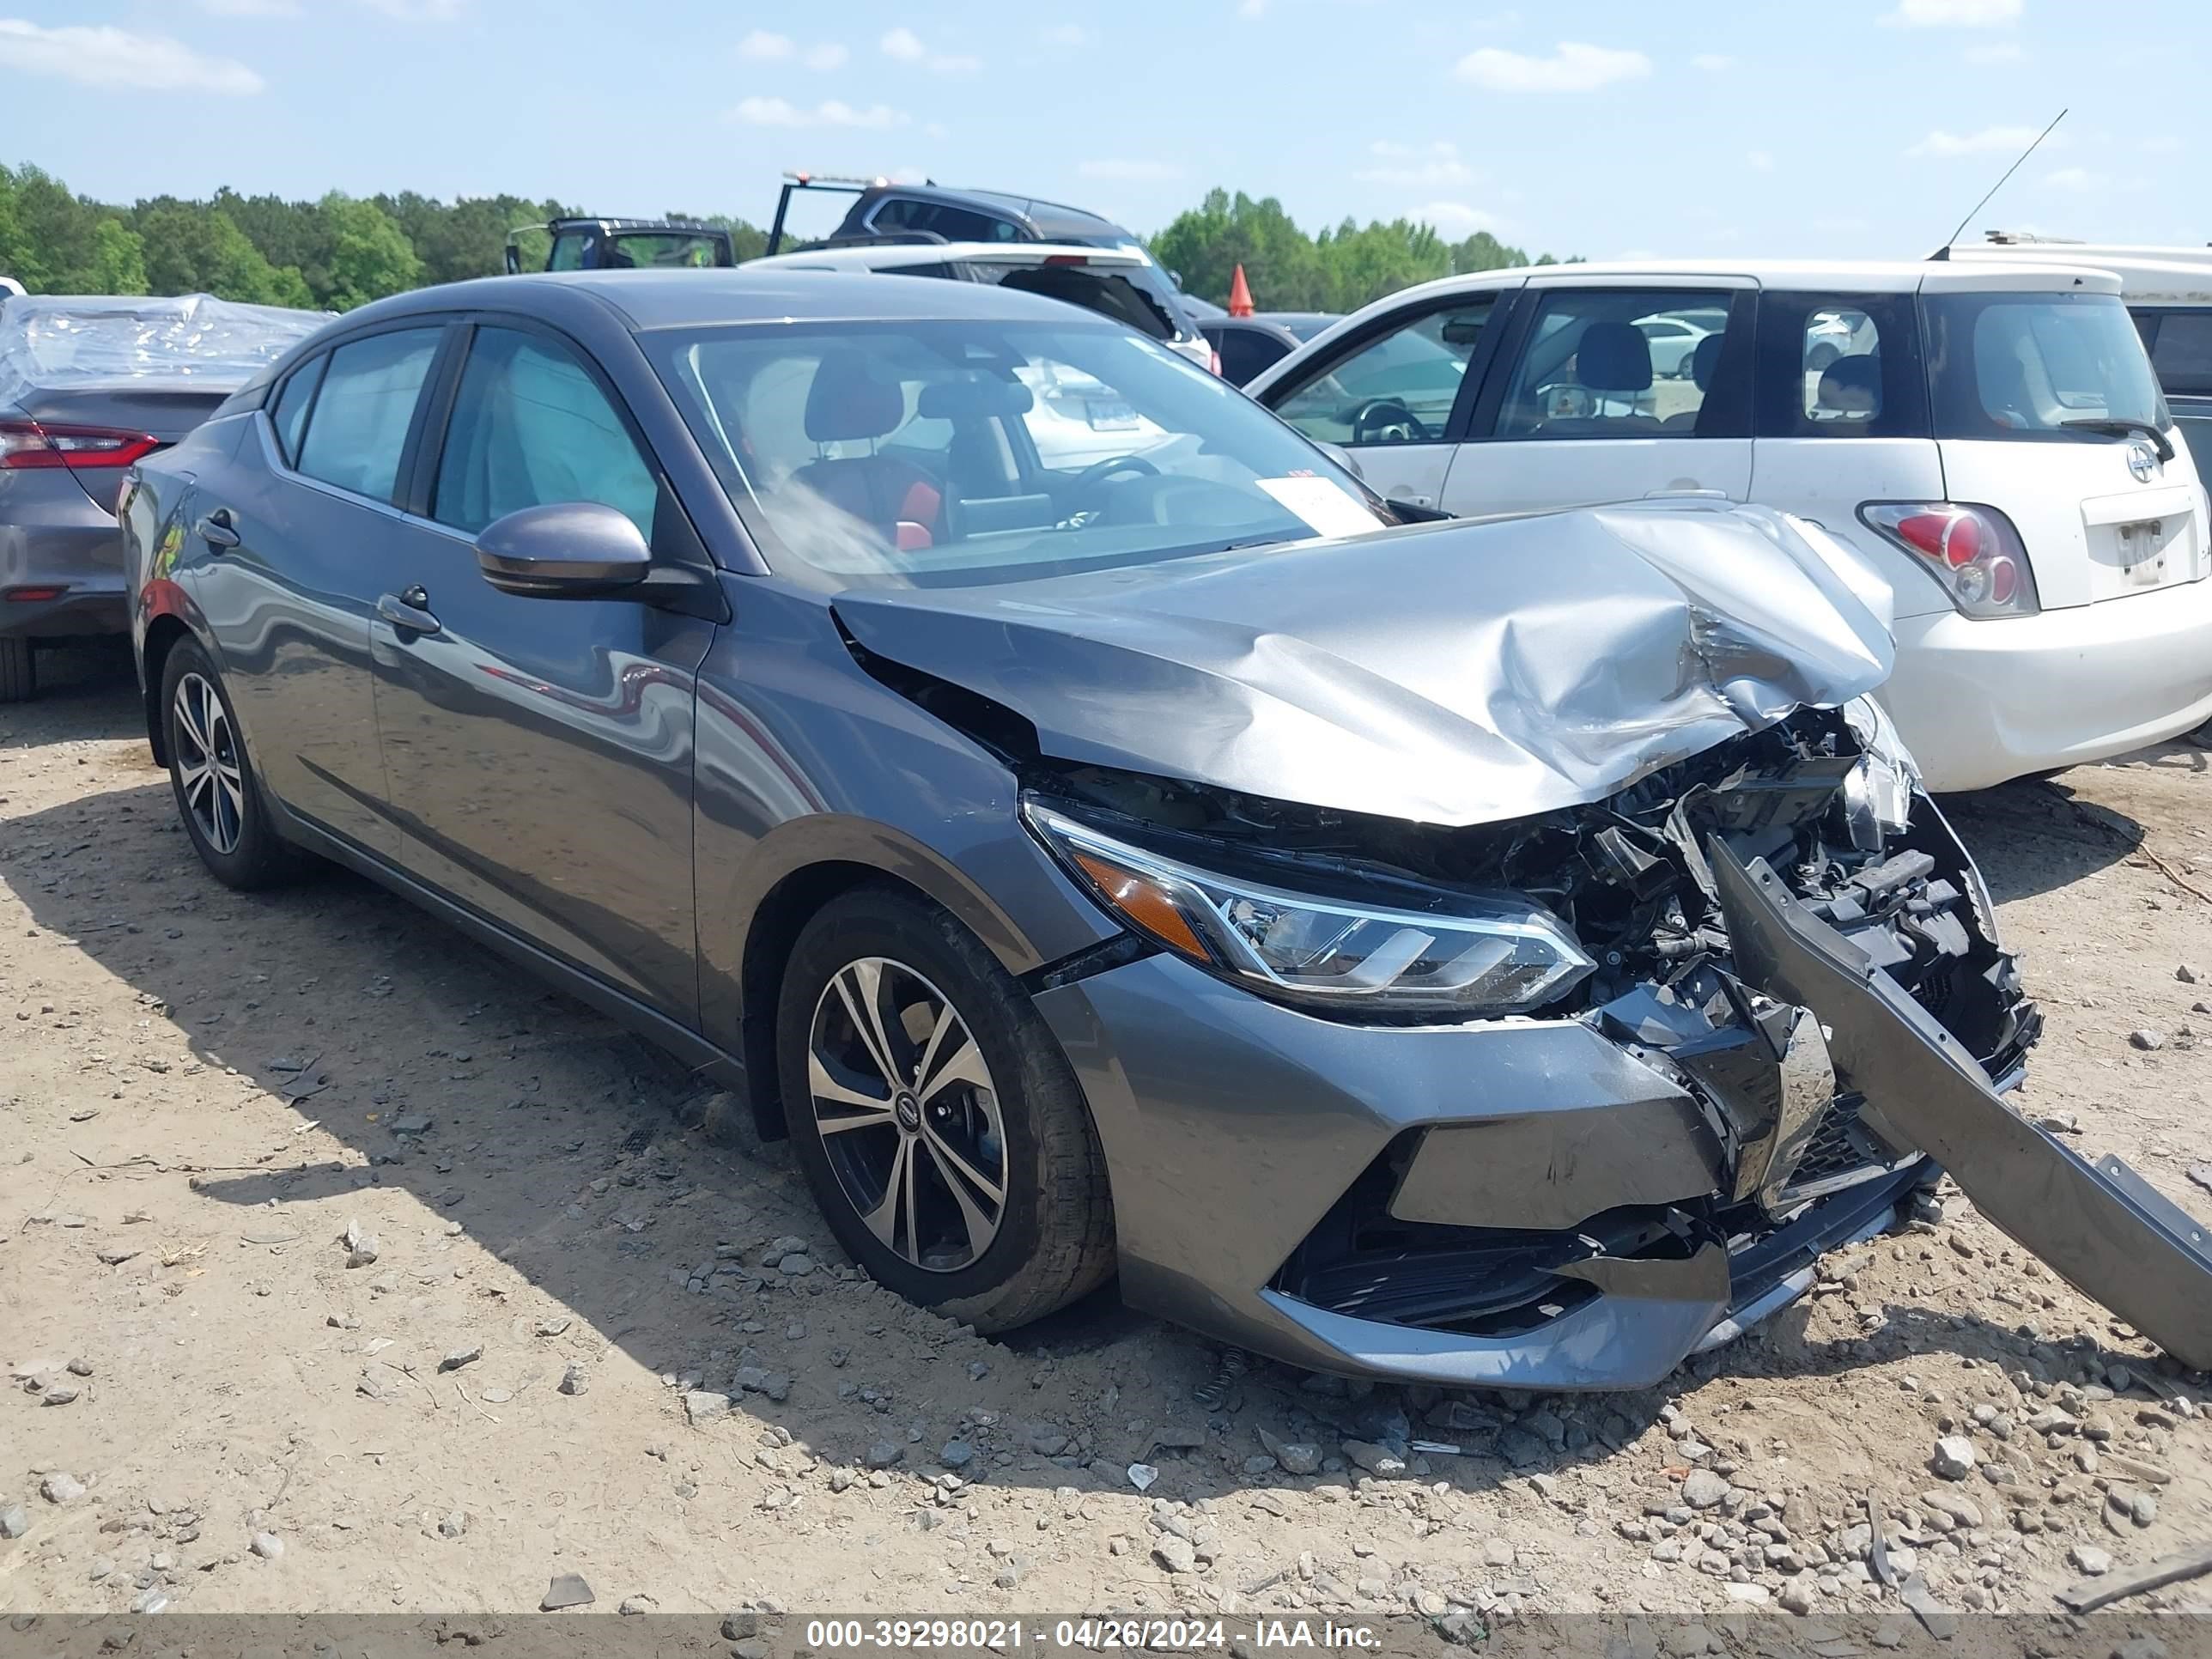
(2099, 1226)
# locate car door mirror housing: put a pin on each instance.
(563, 550)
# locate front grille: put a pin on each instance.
(1835, 1149)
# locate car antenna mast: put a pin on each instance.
(1944, 252)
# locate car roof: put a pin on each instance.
(690, 299)
(873, 255)
(2149, 275)
(1858, 275)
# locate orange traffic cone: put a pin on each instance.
(1240, 295)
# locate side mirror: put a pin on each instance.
(1344, 458)
(563, 550)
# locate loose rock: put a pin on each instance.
(1704, 1489)
(568, 1590)
(1954, 1458)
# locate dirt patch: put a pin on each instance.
(581, 1336)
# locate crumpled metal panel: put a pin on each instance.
(1448, 674)
(65, 342)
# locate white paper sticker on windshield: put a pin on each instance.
(1330, 510)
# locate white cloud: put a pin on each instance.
(827, 56)
(1574, 67)
(1453, 218)
(1988, 141)
(906, 46)
(1713, 63)
(1954, 14)
(1760, 160)
(100, 56)
(1996, 52)
(1417, 167)
(1072, 36)
(830, 112)
(1128, 171)
(1251, 10)
(2078, 179)
(765, 46)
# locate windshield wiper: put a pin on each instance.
(2118, 427)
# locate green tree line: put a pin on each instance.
(1341, 269)
(343, 250)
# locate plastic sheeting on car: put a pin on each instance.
(62, 342)
(1448, 674)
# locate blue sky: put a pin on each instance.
(1846, 128)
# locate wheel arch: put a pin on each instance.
(162, 634)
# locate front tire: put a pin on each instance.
(944, 1134)
(212, 778)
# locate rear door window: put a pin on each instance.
(1838, 366)
(1398, 388)
(1620, 363)
(357, 430)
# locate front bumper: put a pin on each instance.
(1980, 702)
(1233, 1127)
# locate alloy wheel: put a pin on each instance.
(208, 769)
(908, 1113)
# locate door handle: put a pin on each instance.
(410, 611)
(217, 530)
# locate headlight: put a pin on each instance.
(1883, 781)
(1467, 956)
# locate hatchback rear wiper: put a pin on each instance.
(2117, 428)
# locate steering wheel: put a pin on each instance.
(1098, 472)
(1385, 420)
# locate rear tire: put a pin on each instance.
(211, 776)
(19, 677)
(956, 1092)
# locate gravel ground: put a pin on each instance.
(345, 1271)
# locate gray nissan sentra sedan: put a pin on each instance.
(1065, 802)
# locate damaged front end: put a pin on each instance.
(1729, 1152)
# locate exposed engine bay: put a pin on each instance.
(1631, 876)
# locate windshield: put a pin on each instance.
(948, 453)
(2037, 366)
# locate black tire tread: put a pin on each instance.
(19, 675)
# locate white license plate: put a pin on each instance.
(2143, 553)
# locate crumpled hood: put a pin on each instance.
(1448, 674)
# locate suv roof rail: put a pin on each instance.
(886, 238)
(2022, 238)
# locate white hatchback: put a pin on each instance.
(1991, 437)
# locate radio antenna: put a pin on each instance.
(1944, 252)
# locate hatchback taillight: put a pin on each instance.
(1973, 552)
(35, 443)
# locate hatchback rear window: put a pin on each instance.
(2036, 366)
(1109, 293)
